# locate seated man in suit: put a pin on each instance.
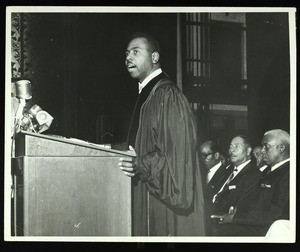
(274, 186)
(235, 192)
(271, 197)
(211, 158)
(215, 172)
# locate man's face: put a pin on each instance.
(270, 151)
(208, 156)
(257, 154)
(139, 59)
(239, 152)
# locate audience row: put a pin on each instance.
(247, 194)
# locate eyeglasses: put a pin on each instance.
(205, 156)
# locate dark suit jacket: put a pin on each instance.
(213, 186)
(273, 197)
(267, 202)
(238, 192)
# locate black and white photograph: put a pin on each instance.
(144, 124)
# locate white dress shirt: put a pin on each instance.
(212, 171)
(274, 167)
(149, 78)
(236, 170)
(263, 168)
(241, 166)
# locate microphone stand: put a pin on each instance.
(16, 129)
(17, 122)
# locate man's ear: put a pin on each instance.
(281, 148)
(217, 155)
(155, 57)
(249, 149)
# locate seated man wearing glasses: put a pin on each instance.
(215, 172)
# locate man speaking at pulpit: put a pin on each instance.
(166, 177)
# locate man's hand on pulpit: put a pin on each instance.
(128, 164)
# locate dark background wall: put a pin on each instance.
(268, 73)
(80, 72)
(79, 75)
(225, 54)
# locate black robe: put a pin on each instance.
(167, 191)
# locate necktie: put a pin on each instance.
(225, 184)
(231, 176)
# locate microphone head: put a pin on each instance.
(43, 117)
(34, 110)
(25, 122)
(23, 89)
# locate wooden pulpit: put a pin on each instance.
(66, 187)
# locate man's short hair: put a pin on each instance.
(246, 139)
(152, 41)
(280, 135)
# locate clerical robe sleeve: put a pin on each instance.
(166, 147)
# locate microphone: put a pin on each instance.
(23, 89)
(23, 92)
(36, 119)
